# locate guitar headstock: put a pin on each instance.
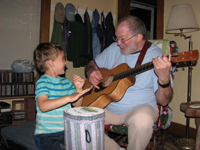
(185, 56)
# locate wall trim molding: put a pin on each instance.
(179, 130)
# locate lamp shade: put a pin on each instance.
(182, 18)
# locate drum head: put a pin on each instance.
(84, 111)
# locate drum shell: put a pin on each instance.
(84, 132)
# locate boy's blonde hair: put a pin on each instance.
(44, 52)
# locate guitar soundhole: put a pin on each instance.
(106, 83)
(100, 85)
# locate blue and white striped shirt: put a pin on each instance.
(52, 121)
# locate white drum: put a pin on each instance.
(84, 128)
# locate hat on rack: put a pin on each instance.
(59, 12)
(70, 12)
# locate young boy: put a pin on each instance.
(54, 94)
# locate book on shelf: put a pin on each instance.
(18, 112)
(18, 115)
(20, 119)
(8, 76)
(16, 84)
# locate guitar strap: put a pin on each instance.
(142, 54)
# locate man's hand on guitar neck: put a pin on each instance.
(162, 67)
(93, 74)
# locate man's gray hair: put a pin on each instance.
(135, 25)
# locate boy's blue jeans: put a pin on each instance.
(52, 141)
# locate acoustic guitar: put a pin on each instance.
(115, 82)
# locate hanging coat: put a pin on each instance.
(102, 32)
(78, 18)
(110, 30)
(75, 44)
(66, 26)
(96, 46)
(87, 38)
(57, 34)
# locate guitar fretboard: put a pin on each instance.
(134, 71)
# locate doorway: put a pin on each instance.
(147, 13)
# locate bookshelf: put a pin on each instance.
(22, 111)
(16, 85)
(19, 115)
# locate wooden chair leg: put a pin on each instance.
(159, 140)
(149, 146)
(163, 139)
(156, 144)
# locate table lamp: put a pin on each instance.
(182, 19)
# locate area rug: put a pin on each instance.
(169, 143)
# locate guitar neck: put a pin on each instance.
(175, 58)
(134, 71)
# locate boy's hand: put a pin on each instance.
(76, 96)
(78, 82)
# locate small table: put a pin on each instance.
(195, 113)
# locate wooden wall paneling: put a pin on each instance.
(123, 8)
(45, 20)
(160, 19)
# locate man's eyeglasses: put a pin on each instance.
(123, 40)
